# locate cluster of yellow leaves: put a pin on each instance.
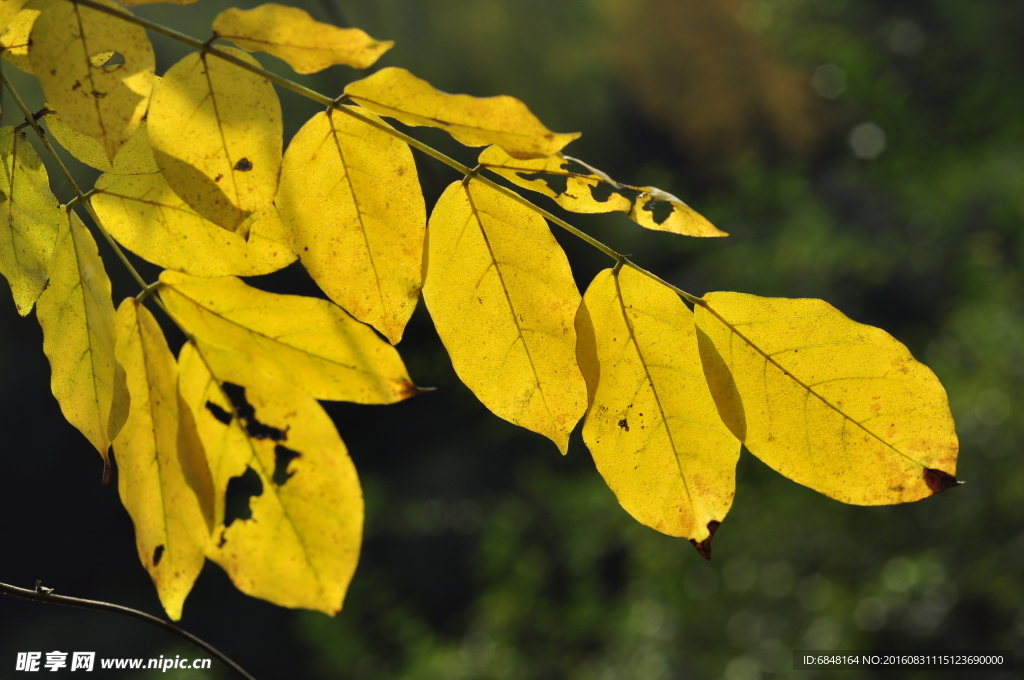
(224, 452)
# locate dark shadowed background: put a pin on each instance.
(869, 153)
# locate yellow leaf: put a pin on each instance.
(502, 120)
(295, 539)
(8, 10)
(30, 218)
(351, 202)
(555, 177)
(77, 317)
(107, 104)
(171, 531)
(581, 188)
(134, 158)
(661, 211)
(502, 297)
(652, 427)
(149, 219)
(310, 343)
(830, 403)
(14, 39)
(216, 135)
(291, 35)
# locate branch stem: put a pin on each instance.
(336, 104)
(46, 595)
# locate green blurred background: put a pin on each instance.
(868, 153)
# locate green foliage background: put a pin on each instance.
(488, 555)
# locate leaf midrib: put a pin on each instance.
(769, 359)
(654, 390)
(508, 299)
(260, 334)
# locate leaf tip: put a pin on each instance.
(408, 390)
(704, 547)
(938, 481)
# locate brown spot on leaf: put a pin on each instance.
(158, 555)
(624, 425)
(704, 547)
(408, 390)
(218, 178)
(938, 481)
(243, 165)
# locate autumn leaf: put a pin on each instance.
(307, 342)
(155, 462)
(148, 218)
(290, 34)
(31, 219)
(216, 135)
(107, 104)
(581, 188)
(351, 201)
(289, 506)
(830, 403)
(652, 426)
(502, 297)
(134, 158)
(77, 317)
(8, 10)
(503, 120)
(14, 40)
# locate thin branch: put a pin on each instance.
(80, 195)
(330, 103)
(41, 594)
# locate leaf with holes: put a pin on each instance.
(101, 102)
(830, 403)
(31, 219)
(158, 464)
(289, 508)
(148, 218)
(581, 188)
(77, 317)
(502, 297)
(217, 137)
(503, 120)
(291, 35)
(350, 199)
(652, 426)
(307, 342)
